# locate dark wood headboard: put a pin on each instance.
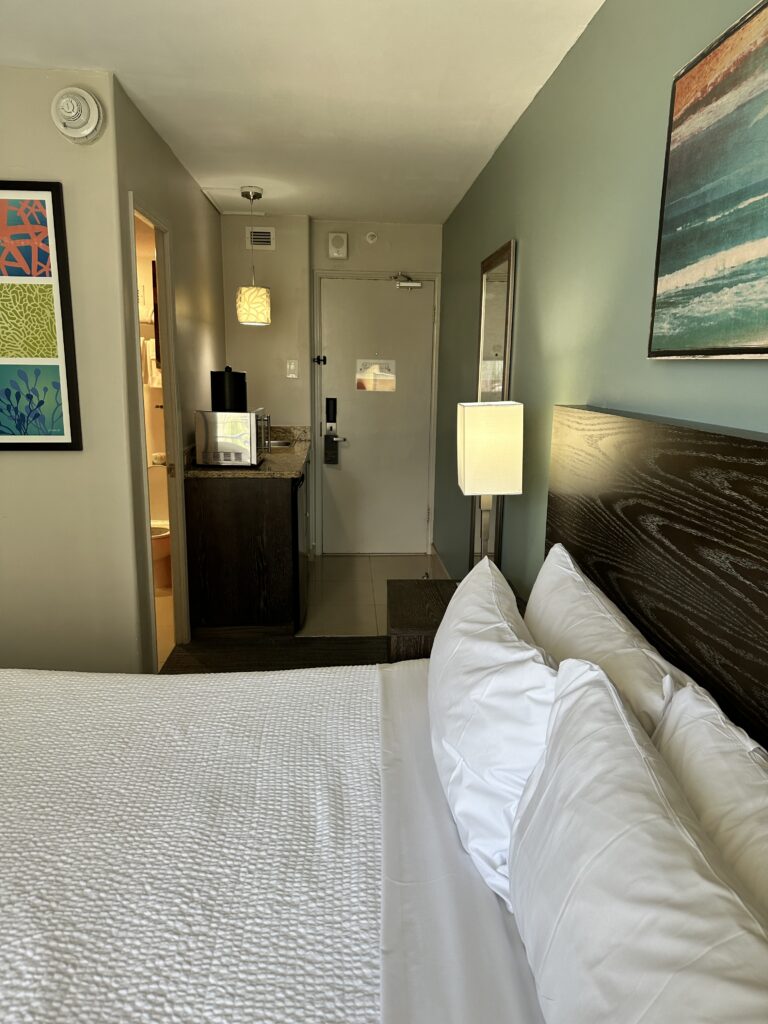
(670, 519)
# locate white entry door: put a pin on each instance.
(377, 341)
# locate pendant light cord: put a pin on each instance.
(253, 258)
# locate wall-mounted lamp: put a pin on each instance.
(253, 302)
(489, 454)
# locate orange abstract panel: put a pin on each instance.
(24, 243)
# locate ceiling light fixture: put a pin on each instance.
(253, 303)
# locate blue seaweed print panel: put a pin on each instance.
(30, 401)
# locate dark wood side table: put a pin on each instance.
(415, 609)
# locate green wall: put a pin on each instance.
(578, 183)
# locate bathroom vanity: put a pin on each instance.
(248, 544)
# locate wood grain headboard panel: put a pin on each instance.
(671, 521)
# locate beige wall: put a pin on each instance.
(167, 194)
(262, 351)
(408, 247)
(302, 246)
(67, 563)
(73, 553)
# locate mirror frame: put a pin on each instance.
(503, 254)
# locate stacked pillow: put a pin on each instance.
(724, 775)
(569, 617)
(490, 693)
(622, 903)
(639, 882)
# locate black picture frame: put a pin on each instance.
(696, 306)
(64, 357)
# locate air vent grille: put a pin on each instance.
(260, 238)
(217, 458)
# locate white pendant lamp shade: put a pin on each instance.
(489, 447)
(253, 306)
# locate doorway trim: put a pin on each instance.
(316, 497)
(173, 433)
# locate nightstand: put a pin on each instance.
(415, 609)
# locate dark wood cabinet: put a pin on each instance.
(247, 553)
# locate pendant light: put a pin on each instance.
(252, 302)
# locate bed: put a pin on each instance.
(277, 847)
(209, 848)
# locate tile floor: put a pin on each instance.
(348, 593)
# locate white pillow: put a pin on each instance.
(570, 617)
(618, 895)
(490, 693)
(724, 775)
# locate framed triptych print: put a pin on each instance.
(39, 408)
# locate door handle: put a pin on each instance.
(337, 439)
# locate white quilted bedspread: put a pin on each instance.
(190, 849)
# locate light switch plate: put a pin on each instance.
(292, 369)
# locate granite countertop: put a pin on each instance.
(279, 464)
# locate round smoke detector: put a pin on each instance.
(78, 115)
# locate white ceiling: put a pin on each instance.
(362, 109)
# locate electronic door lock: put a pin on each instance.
(331, 438)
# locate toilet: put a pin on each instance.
(161, 554)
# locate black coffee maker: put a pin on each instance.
(229, 392)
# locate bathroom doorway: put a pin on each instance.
(158, 402)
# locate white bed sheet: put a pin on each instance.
(190, 849)
(451, 953)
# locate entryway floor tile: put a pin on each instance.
(348, 593)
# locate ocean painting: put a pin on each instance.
(712, 274)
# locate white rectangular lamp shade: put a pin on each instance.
(489, 447)
(253, 305)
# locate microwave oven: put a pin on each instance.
(230, 438)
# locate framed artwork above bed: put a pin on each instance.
(711, 292)
(39, 408)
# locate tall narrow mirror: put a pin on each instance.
(494, 369)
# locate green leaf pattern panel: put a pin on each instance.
(27, 322)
